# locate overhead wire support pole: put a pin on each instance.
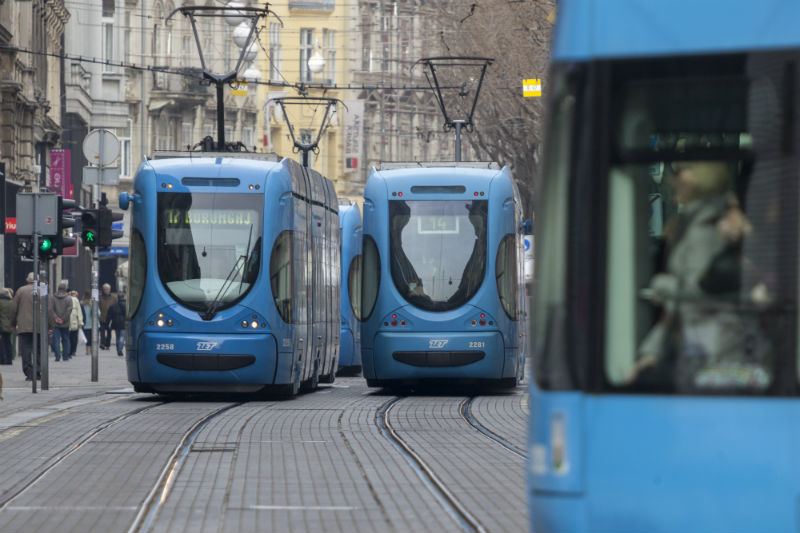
(437, 66)
(220, 79)
(298, 144)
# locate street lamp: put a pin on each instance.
(233, 17)
(316, 62)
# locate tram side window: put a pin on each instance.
(506, 275)
(370, 277)
(549, 356)
(354, 286)
(137, 272)
(280, 275)
(699, 271)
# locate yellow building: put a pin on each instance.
(318, 30)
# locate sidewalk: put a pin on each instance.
(68, 379)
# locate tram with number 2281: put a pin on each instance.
(440, 275)
(234, 275)
(666, 367)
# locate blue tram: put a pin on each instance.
(350, 340)
(666, 326)
(233, 278)
(440, 279)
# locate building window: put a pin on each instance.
(108, 43)
(186, 133)
(306, 49)
(329, 40)
(126, 52)
(274, 51)
(125, 157)
(108, 8)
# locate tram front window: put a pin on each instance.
(438, 251)
(702, 219)
(209, 247)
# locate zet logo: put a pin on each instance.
(206, 346)
(437, 343)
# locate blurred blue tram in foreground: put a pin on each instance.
(441, 263)
(234, 275)
(665, 311)
(350, 340)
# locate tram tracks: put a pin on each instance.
(466, 412)
(31, 479)
(155, 499)
(466, 519)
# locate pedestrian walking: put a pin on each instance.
(75, 323)
(116, 314)
(88, 319)
(21, 317)
(60, 309)
(107, 299)
(6, 353)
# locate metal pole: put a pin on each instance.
(96, 275)
(95, 289)
(44, 326)
(95, 314)
(35, 332)
(220, 117)
(458, 124)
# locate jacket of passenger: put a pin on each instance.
(59, 306)
(116, 315)
(21, 314)
(76, 315)
(5, 313)
(106, 301)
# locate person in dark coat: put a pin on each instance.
(60, 309)
(6, 355)
(21, 317)
(116, 321)
(107, 299)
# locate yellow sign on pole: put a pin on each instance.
(532, 87)
(239, 88)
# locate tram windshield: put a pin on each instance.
(209, 247)
(438, 250)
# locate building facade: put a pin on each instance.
(31, 81)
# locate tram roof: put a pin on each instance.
(453, 171)
(164, 161)
(604, 29)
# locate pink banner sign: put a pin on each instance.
(60, 181)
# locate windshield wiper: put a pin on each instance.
(246, 257)
(211, 308)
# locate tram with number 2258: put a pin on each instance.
(234, 275)
(666, 367)
(440, 266)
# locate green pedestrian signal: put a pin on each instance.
(46, 245)
(90, 227)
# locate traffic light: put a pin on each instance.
(65, 220)
(90, 224)
(105, 232)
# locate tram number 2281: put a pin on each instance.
(477, 344)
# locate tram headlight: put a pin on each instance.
(254, 324)
(160, 322)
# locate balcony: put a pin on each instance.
(312, 5)
(180, 82)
